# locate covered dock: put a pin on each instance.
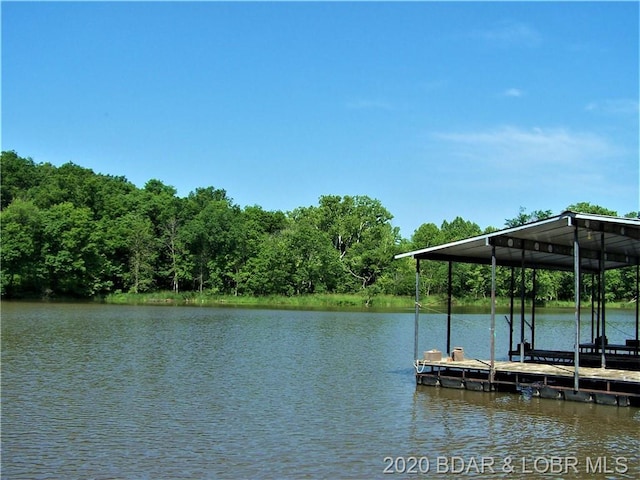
(585, 244)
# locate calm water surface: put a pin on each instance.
(98, 391)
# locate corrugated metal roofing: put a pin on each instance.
(548, 244)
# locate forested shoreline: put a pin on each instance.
(68, 231)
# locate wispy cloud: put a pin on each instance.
(513, 92)
(619, 106)
(509, 33)
(514, 147)
(536, 166)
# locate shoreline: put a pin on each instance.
(320, 302)
(348, 302)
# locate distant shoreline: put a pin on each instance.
(336, 302)
(328, 302)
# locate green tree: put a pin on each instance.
(524, 217)
(70, 252)
(316, 264)
(428, 235)
(69, 183)
(178, 265)
(270, 271)
(254, 229)
(113, 234)
(399, 277)
(371, 255)
(20, 253)
(586, 207)
(464, 275)
(210, 237)
(111, 197)
(141, 245)
(360, 230)
(19, 175)
(159, 203)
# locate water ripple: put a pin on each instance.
(91, 391)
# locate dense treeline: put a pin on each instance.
(68, 231)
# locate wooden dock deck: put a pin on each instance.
(623, 361)
(606, 386)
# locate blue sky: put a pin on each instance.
(437, 110)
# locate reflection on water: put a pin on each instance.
(95, 391)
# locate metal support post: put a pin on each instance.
(576, 274)
(417, 312)
(449, 294)
(493, 315)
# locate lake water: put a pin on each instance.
(103, 392)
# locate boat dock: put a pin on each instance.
(604, 386)
(595, 370)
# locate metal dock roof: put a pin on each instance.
(548, 244)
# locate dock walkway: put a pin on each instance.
(621, 361)
(609, 386)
